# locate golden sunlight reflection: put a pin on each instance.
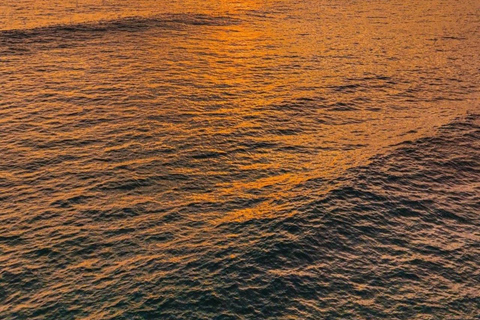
(239, 159)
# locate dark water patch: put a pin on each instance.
(342, 106)
(11, 239)
(19, 38)
(285, 131)
(208, 154)
(65, 203)
(367, 228)
(346, 88)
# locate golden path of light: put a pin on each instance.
(236, 61)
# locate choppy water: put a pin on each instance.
(239, 159)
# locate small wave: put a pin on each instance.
(127, 24)
(405, 221)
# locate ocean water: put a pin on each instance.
(251, 159)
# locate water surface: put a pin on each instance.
(239, 159)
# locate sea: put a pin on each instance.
(240, 159)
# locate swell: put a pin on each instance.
(395, 239)
(126, 24)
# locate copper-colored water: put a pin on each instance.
(192, 159)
